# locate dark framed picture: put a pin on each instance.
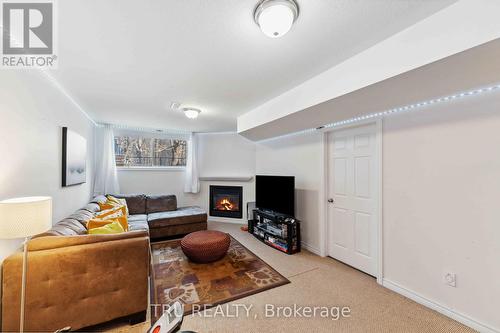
(74, 158)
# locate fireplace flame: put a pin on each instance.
(225, 204)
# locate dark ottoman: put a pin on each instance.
(205, 246)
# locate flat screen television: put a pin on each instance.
(276, 193)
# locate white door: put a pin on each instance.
(353, 197)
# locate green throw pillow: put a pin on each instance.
(111, 228)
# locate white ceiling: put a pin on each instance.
(125, 61)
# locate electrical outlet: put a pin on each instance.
(450, 279)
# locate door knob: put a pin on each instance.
(331, 200)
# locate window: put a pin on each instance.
(138, 151)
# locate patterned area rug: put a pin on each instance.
(239, 274)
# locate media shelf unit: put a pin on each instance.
(279, 231)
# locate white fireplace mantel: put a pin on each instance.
(228, 179)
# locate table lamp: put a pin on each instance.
(23, 218)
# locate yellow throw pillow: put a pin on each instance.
(120, 210)
(107, 205)
(119, 202)
(113, 202)
(97, 223)
(110, 228)
(117, 213)
(112, 198)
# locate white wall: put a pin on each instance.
(441, 205)
(441, 190)
(219, 155)
(154, 182)
(33, 111)
(299, 156)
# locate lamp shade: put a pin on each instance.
(24, 217)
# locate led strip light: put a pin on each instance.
(398, 110)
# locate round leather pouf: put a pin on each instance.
(205, 246)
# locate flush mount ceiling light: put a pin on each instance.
(276, 17)
(191, 113)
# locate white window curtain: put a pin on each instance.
(106, 177)
(192, 182)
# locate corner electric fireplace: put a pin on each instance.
(226, 201)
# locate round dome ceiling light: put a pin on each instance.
(191, 113)
(276, 17)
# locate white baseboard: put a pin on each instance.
(472, 323)
(310, 248)
(226, 220)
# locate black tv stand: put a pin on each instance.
(269, 213)
(279, 231)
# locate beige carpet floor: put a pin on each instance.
(316, 281)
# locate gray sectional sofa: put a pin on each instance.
(161, 217)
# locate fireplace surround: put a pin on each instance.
(226, 201)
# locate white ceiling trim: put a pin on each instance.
(160, 131)
(131, 130)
